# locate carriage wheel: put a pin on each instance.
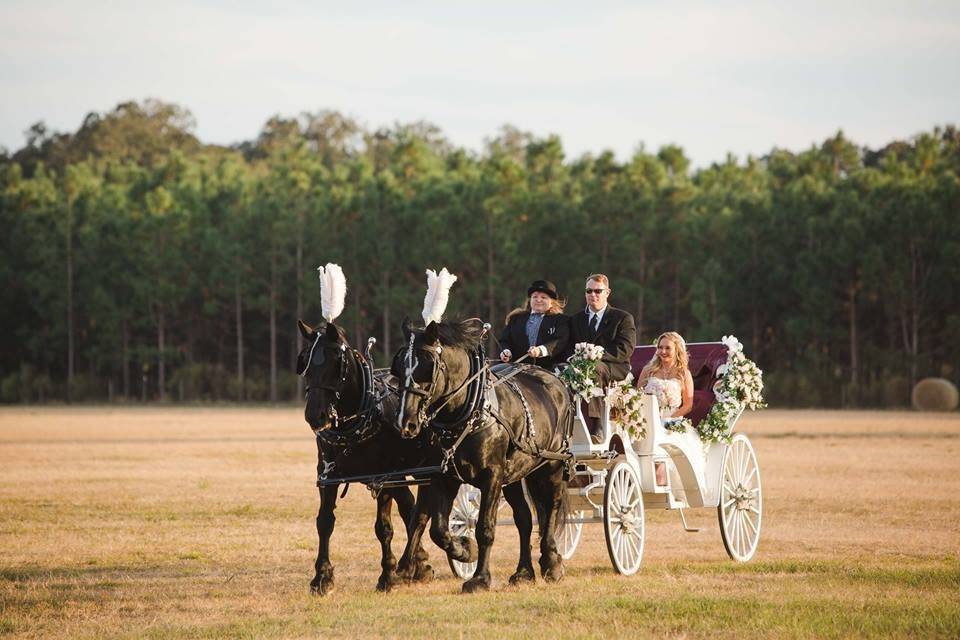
(568, 536)
(463, 522)
(623, 522)
(741, 500)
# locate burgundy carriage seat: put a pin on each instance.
(705, 358)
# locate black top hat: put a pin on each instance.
(544, 286)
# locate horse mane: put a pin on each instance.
(465, 334)
(322, 328)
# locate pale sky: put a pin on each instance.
(714, 77)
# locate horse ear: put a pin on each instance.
(432, 334)
(332, 334)
(407, 327)
(305, 330)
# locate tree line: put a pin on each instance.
(141, 264)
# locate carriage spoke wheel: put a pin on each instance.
(623, 522)
(568, 536)
(463, 522)
(741, 501)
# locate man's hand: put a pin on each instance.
(539, 351)
(505, 355)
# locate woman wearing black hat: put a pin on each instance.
(539, 329)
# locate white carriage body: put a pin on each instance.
(688, 470)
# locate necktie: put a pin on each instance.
(595, 323)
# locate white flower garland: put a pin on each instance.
(581, 373)
(739, 387)
(624, 400)
(626, 403)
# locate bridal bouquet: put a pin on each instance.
(740, 387)
(581, 372)
(625, 402)
(668, 396)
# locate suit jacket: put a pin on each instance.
(617, 334)
(554, 334)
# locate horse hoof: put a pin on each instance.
(321, 587)
(475, 584)
(386, 582)
(523, 575)
(554, 573)
(424, 574)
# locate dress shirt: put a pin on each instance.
(595, 314)
(533, 328)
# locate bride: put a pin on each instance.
(667, 377)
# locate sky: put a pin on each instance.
(714, 77)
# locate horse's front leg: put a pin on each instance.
(442, 493)
(551, 499)
(322, 582)
(489, 485)
(384, 530)
(522, 518)
(413, 563)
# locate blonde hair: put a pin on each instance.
(679, 346)
(556, 306)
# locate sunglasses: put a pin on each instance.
(596, 291)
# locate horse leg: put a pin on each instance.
(413, 563)
(486, 531)
(551, 497)
(522, 518)
(384, 530)
(322, 582)
(442, 493)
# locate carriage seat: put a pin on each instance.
(705, 358)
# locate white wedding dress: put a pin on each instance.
(668, 394)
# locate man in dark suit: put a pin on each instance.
(539, 329)
(611, 328)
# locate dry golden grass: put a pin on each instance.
(129, 522)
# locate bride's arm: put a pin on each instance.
(686, 396)
(643, 377)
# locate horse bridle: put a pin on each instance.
(427, 419)
(367, 394)
(411, 363)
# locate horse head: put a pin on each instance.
(330, 374)
(432, 369)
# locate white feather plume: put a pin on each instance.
(438, 294)
(333, 290)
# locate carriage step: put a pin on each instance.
(683, 521)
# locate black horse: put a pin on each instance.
(496, 431)
(348, 409)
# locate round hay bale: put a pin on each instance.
(935, 394)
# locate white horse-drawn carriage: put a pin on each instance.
(615, 480)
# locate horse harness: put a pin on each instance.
(480, 411)
(360, 426)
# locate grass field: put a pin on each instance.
(199, 523)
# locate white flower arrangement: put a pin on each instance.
(581, 371)
(625, 403)
(739, 387)
(677, 425)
